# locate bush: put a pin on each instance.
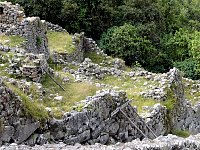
(189, 68)
(125, 42)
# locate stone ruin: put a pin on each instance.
(82, 44)
(105, 118)
(14, 22)
(30, 66)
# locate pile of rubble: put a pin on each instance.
(170, 142)
(31, 66)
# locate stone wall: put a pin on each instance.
(97, 122)
(76, 56)
(16, 126)
(31, 66)
(82, 44)
(11, 13)
(54, 27)
(13, 22)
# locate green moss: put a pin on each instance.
(79, 108)
(38, 41)
(170, 102)
(1, 126)
(181, 133)
(61, 42)
(32, 108)
(12, 40)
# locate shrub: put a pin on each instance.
(125, 42)
(189, 68)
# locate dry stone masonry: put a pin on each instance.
(14, 22)
(108, 117)
(16, 127)
(29, 65)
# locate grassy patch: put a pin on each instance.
(32, 108)
(181, 133)
(192, 92)
(61, 42)
(96, 58)
(11, 41)
(4, 61)
(74, 92)
(132, 88)
(139, 101)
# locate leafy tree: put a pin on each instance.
(176, 45)
(194, 48)
(189, 67)
(125, 42)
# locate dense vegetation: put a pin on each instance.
(158, 34)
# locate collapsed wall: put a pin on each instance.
(105, 118)
(82, 44)
(15, 126)
(183, 115)
(14, 22)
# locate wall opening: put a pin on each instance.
(1, 10)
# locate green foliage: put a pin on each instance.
(189, 68)
(125, 42)
(176, 45)
(181, 133)
(157, 33)
(38, 41)
(194, 46)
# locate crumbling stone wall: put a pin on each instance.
(96, 125)
(11, 13)
(183, 116)
(76, 56)
(13, 22)
(31, 66)
(16, 126)
(82, 44)
(54, 27)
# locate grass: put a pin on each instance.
(132, 88)
(61, 42)
(11, 41)
(74, 92)
(6, 56)
(192, 96)
(32, 108)
(96, 58)
(181, 133)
